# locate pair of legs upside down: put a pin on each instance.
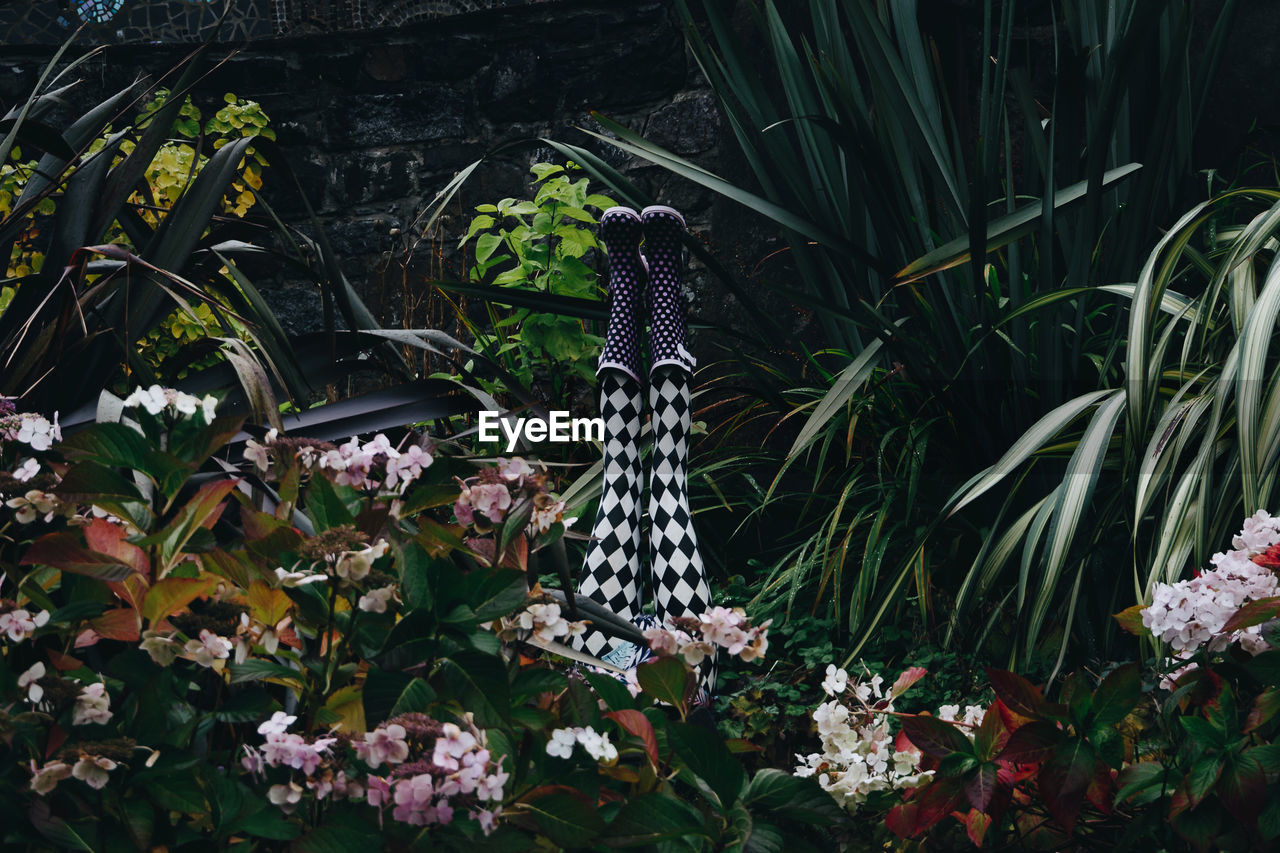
(644, 248)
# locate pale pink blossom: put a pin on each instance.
(46, 778)
(28, 681)
(383, 745)
(92, 706)
(93, 770)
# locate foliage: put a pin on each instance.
(1181, 756)
(110, 210)
(302, 651)
(541, 246)
(1179, 444)
(918, 245)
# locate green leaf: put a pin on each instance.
(496, 593)
(842, 390)
(1117, 696)
(1004, 230)
(92, 482)
(798, 799)
(616, 696)
(256, 669)
(486, 245)
(532, 681)
(325, 507)
(667, 679)
(1139, 778)
(650, 818)
(479, 683)
(269, 823)
(1203, 731)
(1202, 777)
(566, 820)
(705, 755)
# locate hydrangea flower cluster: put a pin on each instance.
(860, 754)
(371, 466)
(424, 770)
(31, 429)
(487, 498)
(543, 620)
(1191, 614)
(696, 638)
(156, 399)
(594, 743)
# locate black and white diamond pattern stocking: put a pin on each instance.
(611, 572)
(680, 585)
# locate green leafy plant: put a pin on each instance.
(539, 246)
(922, 246)
(311, 649)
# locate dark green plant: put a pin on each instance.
(539, 246)
(119, 255)
(918, 246)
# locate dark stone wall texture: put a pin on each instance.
(375, 123)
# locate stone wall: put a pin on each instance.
(375, 123)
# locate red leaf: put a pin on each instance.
(1253, 613)
(1064, 778)
(61, 662)
(1020, 695)
(991, 735)
(636, 723)
(1264, 708)
(119, 624)
(63, 551)
(1243, 789)
(935, 737)
(57, 737)
(1101, 791)
(981, 786)
(976, 825)
(107, 538)
(1012, 719)
(928, 805)
(909, 677)
(1031, 743)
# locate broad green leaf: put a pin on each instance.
(567, 821)
(667, 679)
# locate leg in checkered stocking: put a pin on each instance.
(680, 585)
(611, 572)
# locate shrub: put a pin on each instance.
(312, 649)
